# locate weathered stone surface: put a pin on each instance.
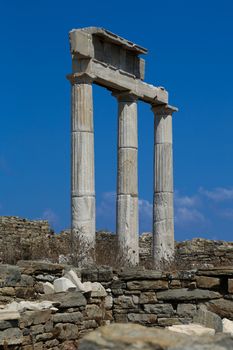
(29, 318)
(9, 275)
(66, 331)
(206, 282)
(94, 312)
(63, 284)
(147, 298)
(186, 310)
(68, 317)
(139, 274)
(124, 302)
(192, 329)
(216, 271)
(135, 337)
(186, 294)
(170, 321)
(66, 300)
(6, 315)
(146, 319)
(147, 285)
(11, 336)
(48, 288)
(160, 310)
(98, 290)
(230, 286)
(208, 319)
(72, 276)
(222, 307)
(227, 326)
(37, 267)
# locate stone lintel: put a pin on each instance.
(164, 109)
(125, 96)
(80, 78)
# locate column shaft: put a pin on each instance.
(163, 211)
(127, 180)
(82, 172)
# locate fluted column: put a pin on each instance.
(127, 179)
(163, 211)
(82, 163)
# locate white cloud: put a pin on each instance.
(51, 216)
(107, 204)
(187, 209)
(218, 194)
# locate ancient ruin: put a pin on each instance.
(103, 58)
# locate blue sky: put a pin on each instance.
(190, 54)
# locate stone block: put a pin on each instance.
(192, 329)
(68, 317)
(221, 307)
(208, 319)
(168, 321)
(11, 336)
(9, 275)
(227, 326)
(94, 312)
(130, 274)
(66, 300)
(72, 276)
(29, 318)
(30, 267)
(206, 282)
(185, 294)
(124, 302)
(186, 310)
(230, 286)
(66, 331)
(146, 319)
(147, 285)
(48, 288)
(161, 310)
(98, 290)
(63, 284)
(147, 298)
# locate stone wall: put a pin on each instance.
(148, 297)
(28, 239)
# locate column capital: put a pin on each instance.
(163, 109)
(125, 96)
(80, 78)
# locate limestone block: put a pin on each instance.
(67, 299)
(63, 284)
(83, 179)
(82, 107)
(146, 319)
(192, 329)
(127, 171)
(147, 298)
(72, 276)
(48, 288)
(163, 206)
(124, 302)
(108, 302)
(98, 290)
(163, 129)
(163, 167)
(227, 326)
(6, 315)
(94, 312)
(66, 331)
(68, 317)
(127, 125)
(222, 307)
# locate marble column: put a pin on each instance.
(163, 211)
(127, 179)
(82, 163)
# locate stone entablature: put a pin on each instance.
(104, 58)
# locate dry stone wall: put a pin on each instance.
(34, 239)
(147, 297)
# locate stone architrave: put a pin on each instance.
(127, 179)
(163, 212)
(82, 164)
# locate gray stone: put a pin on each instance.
(186, 294)
(68, 317)
(66, 300)
(221, 307)
(11, 336)
(206, 282)
(147, 285)
(66, 331)
(160, 310)
(10, 275)
(186, 310)
(208, 319)
(37, 267)
(147, 298)
(147, 319)
(137, 274)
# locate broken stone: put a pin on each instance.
(192, 329)
(72, 276)
(63, 284)
(227, 326)
(48, 288)
(98, 290)
(208, 319)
